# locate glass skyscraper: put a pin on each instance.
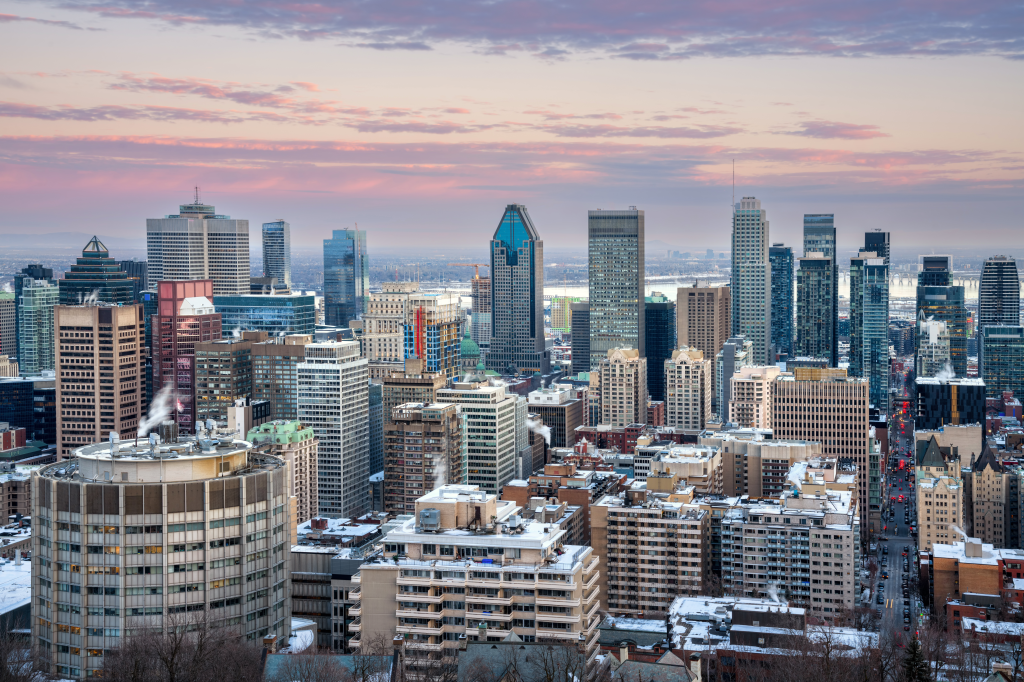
(751, 278)
(820, 237)
(36, 349)
(877, 242)
(346, 277)
(815, 323)
(869, 325)
(781, 259)
(999, 293)
(276, 315)
(660, 341)
(277, 252)
(97, 275)
(616, 255)
(943, 302)
(517, 296)
(1002, 359)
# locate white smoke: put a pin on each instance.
(946, 373)
(773, 591)
(540, 429)
(956, 529)
(91, 299)
(236, 332)
(440, 472)
(7, 288)
(159, 410)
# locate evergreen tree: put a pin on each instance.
(915, 668)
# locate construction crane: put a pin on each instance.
(476, 267)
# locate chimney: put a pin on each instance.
(463, 641)
(623, 652)
(695, 666)
(270, 642)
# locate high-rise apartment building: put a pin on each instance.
(815, 321)
(423, 450)
(616, 275)
(346, 277)
(688, 389)
(561, 313)
(275, 373)
(999, 293)
(277, 252)
(186, 528)
(384, 322)
(933, 347)
(431, 332)
(937, 299)
(703, 320)
(186, 317)
(750, 404)
(580, 337)
(96, 277)
(832, 410)
(660, 335)
(333, 401)
(32, 272)
(755, 463)
(940, 494)
(36, 349)
(623, 374)
(223, 375)
(517, 296)
(137, 272)
(990, 500)
(877, 242)
(480, 313)
(781, 259)
(296, 444)
(8, 325)
(411, 384)
(560, 410)
(820, 237)
(1001, 359)
(869, 324)
(100, 373)
(751, 278)
(492, 426)
(197, 243)
(736, 353)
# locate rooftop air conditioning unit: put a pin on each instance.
(430, 519)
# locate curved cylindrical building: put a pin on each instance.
(127, 534)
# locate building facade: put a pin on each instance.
(820, 237)
(688, 389)
(948, 400)
(660, 335)
(990, 500)
(750, 402)
(387, 312)
(999, 293)
(940, 494)
(938, 300)
(346, 277)
(277, 315)
(36, 349)
(934, 354)
(431, 332)
(560, 410)
(8, 325)
(1001, 359)
(877, 242)
(736, 354)
(31, 272)
(781, 259)
(96, 277)
(751, 278)
(561, 313)
(277, 252)
(423, 450)
(616, 276)
(223, 374)
(492, 430)
(624, 397)
(138, 272)
(580, 337)
(297, 445)
(275, 373)
(869, 325)
(480, 315)
(703, 319)
(815, 321)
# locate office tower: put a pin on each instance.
(36, 349)
(31, 272)
(275, 373)
(902, 334)
(276, 315)
(295, 443)
(346, 277)
(815, 321)
(751, 278)
(410, 385)
(96, 277)
(521, 551)
(943, 401)
(828, 407)
(660, 341)
(688, 389)
(946, 304)
(869, 325)
(154, 521)
(616, 257)
(560, 410)
(431, 332)
(277, 252)
(376, 417)
(877, 242)
(999, 293)
(409, 471)
(820, 237)
(940, 494)
(100, 374)
(491, 430)
(933, 348)
(703, 320)
(334, 400)
(623, 387)
(384, 322)
(580, 337)
(8, 325)
(1002, 359)
(736, 353)
(30, 404)
(750, 404)
(186, 318)
(138, 272)
(561, 313)
(781, 259)
(517, 296)
(480, 313)
(934, 271)
(196, 244)
(990, 500)
(223, 375)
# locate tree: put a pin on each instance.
(311, 665)
(915, 667)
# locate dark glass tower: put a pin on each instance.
(96, 275)
(346, 277)
(580, 337)
(935, 271)
(999, 293)
(820, 237)
(877, 242)
(869, 325)
(781, 259)
(137, 271)
(815, 321)
(660, 341)
(938, 299)
(517, 296)
(616, 267)
(277, 252)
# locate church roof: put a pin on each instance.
(469, 349)
(932, 456)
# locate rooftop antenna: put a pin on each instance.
(197, 195)
(733, 205)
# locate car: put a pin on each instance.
(880, 600)
(906, 601)
(906, 628)
(906, 613)
(885, 550)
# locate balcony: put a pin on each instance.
(489, 615)
(425, 598)
(356, 610)
(484, 599)
(591, 581)
(423, 646)
(412, 613)
(355, 625)
(418, 629)
(558, 601)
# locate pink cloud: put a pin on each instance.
(833, 130)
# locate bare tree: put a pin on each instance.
(311, 665)
(558, 662)
(374, 657)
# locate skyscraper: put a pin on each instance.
(277, 252)
(223, 375)
(36, 347)
(999, 293)
(815, 322)
(492, 425)
(623, 387)
(877, 242)
(934, 270)
(1002, 359)
(517, 296)
(480, 315)
(616, 255)
(8, 325)
(660, 340)
(580, 337)
(703, 320)
(34, 271)
(941, 301)
(346, 277)
(97, 277)
(688, 389)
(138, 272)
(869, 325)
(197, 243)
(751, 278)
(781, 259)
(820, 237)
(431, 332)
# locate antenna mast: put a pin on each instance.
(197, 195)
(733, 204)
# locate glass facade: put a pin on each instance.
(815, 323)
(223, 374)
(820, 237)
(346, 277)
(36, 351)
(276, 315)
(96, 276)
(869, 326)
(781, 259)
(580, 337)
(1002, 359)
(616, 267)
(946, 304)
(138, 272)
(999, 293)
(751, 278)
(660, 339)
(277, 252)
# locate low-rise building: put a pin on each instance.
(754, 464)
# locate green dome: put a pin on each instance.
(481, 367)
(469, 348)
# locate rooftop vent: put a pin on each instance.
(430, 519)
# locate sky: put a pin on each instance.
(419, 121)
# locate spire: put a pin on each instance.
(987, 459)
(95, 246)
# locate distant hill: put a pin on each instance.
(69, 241)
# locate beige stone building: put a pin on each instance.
(688, 388)
(940, 494)
(468, 565)
(384, 322)
(968, 439)
(989, 500)
(100, 372)
(703, 320)
(750, 402)
(757, 466)
(297, 445)
(8, 366)
(623, 387)
(695, 465)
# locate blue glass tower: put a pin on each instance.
(781, 259)
(277, 252)
(346, 277)
(660, 341)
(869, 325)
(517, 296)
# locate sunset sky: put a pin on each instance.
(420, 120)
